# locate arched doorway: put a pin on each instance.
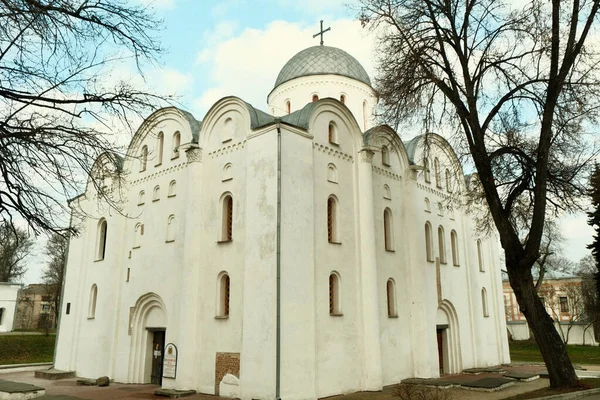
(148, 328)
(448, 341)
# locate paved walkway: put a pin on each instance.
(67, 389)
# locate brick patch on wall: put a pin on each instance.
(226, 363)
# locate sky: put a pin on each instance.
(216, 48)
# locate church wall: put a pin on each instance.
(339, 348)
(299, 92)
(298, 271)
(257, 363)
(397, 356)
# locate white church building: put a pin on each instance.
(295, 254)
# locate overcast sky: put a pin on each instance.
(217, 48)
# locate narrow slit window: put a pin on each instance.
(171, 228)
(101, 245)
(334, 295)
(436, 169)
(391, 298)
(227, 216)
(92, 304)
(315, 98)
(388, 230)
(484, 303)
(442, 244)
(385, 156)
(224, 292)
(332, 229)
(343, 99)
(332, 133)
(426, 171)
(480, 256)
(429, 242)
(454, 244)
(143, 158)
(160, 141)
(175, 145)
(172, 188)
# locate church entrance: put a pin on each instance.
(158, 346)
(440, 346)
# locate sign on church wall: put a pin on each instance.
(170, 361)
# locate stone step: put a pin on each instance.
(54, 374)
(522, 376)
(174, 394)
(10, 390)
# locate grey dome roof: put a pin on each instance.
(322, 60)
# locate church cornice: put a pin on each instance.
(333, 152)
(161, 172)
(389, 174)
(230, 148)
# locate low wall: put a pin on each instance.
(577, 334)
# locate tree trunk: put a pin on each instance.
(554, 351)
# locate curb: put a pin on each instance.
(8, 368)
(572, 395)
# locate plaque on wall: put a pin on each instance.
(170, 361)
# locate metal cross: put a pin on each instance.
(322, 32)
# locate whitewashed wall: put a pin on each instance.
(8, 302)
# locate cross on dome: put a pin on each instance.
(321, 32)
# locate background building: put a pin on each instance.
(566, 300)
(35, 308)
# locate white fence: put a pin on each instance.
(577, 333)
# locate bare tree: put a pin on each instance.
(58, 97)
(53, 274)
(519, 83)
(15, 247)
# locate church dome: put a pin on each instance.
(322, 60)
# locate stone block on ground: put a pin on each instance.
(522, 376)
(488, 384)
(174, 394)
(229, 386)
(86, 382)
(440, 383)
(475, 371)
(10, 390)
(103, 381)
(54, 374)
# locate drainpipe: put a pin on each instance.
(278, 323)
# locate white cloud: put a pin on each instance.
(578, 234)
(247, 65)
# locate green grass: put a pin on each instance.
(527, 350)
(22, 349)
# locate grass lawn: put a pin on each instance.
(527, 350)
(22, 349)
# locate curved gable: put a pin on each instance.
(312, 114)
(384, 133)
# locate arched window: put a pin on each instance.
(365, 115)
(480, 256)
(288, 106)
(388, 230)
(436, 169)
(227, 219)
(101, 241)
(227, 172)
(428, 241)
(332, 175)
(427, 171)
(448, 181)
(137, 235)
(143, 158)
(427, 205)
(160, 141)
(385, 156)
(440, 209)
(484, 303)
(315, 98)
(141, 198)
(332, 220)
(442, 244)
(333, 133)
(454, 244)
(228, 130)
(343, 99)
(391, 298)
(387, 193)
(171, 228)
(335, 307)
(92, 305)
(223, 294)
(172, 189)
(2, 311)
(156, 193)
(175, 145)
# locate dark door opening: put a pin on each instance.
(158, 346)
(440, 343)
